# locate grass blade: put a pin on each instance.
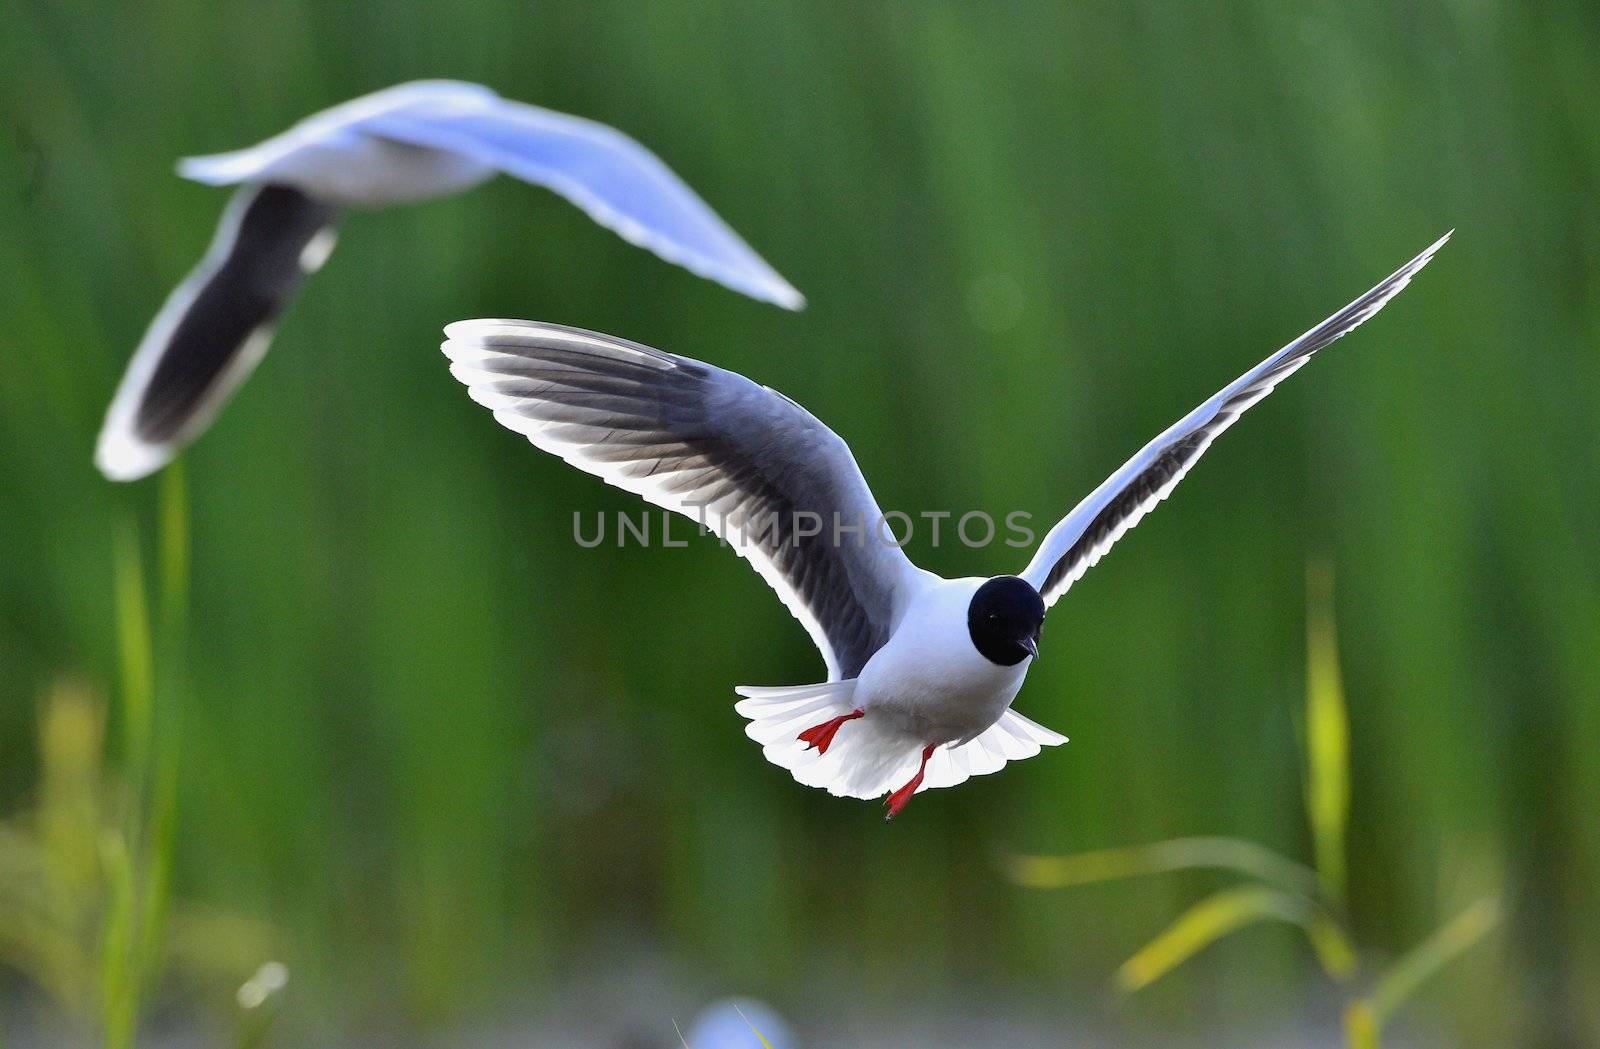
(161, 777)
(753, 1029)
(1205, 923)
(1333, 948)
(118, 984)
(1360, 1026)
(174, 533)
(1448, 942)
(1327, 736)
(156, 876)
(1210, 853)
(135, 653)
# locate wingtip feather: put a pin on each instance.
(122, 457)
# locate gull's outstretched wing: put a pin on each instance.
(459, 133)
(214, 327)
(756, 468)
(616, 181)
(1082, 537)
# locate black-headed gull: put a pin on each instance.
(921, 669)
(406, 143)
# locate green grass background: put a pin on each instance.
(447, 753)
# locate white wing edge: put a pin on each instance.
(245, 165)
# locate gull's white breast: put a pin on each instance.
(929, 679)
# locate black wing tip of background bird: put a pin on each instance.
(270, 238)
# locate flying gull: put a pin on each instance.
(922, 670)
(407, 143)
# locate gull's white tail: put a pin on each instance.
(867, 759)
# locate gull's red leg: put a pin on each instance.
(819, 737)
(899, 798)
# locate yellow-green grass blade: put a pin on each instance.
(1360, 1026)
(1327, 736)
(156, 824)
(753, 1029)
(174, 535)
(1205, 923)
(134, 652)
(1447, 943)
(155, 875)
(1334, 951)
(119, 993)
(1202, 853)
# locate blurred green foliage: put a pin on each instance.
(448, 755)
(1276, 888)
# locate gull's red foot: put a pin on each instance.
(899, 798)
(819, 737)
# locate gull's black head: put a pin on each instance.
(1004, 620)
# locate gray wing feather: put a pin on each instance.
(1078, 542)
(752, 465)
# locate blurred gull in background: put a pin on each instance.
(407, 143)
